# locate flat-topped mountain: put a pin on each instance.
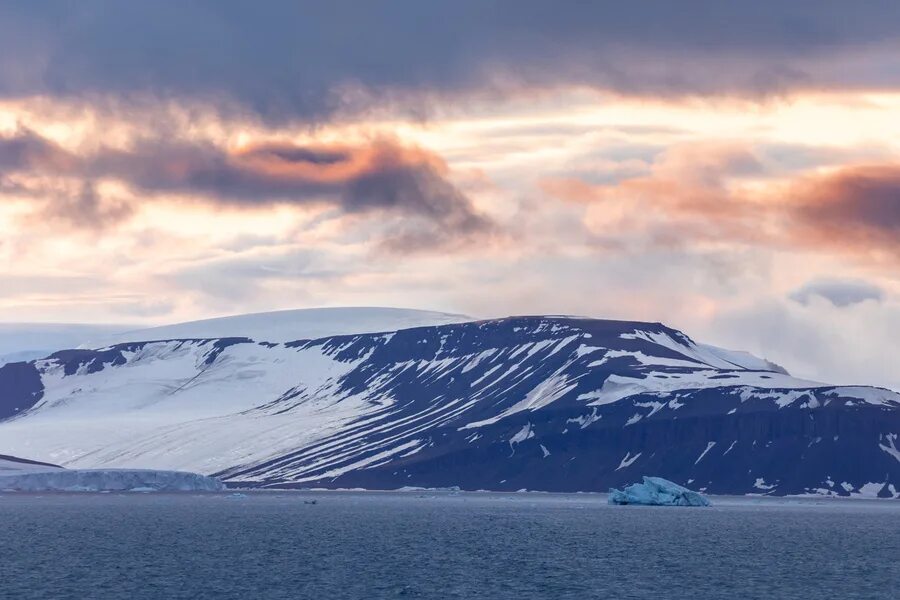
(534, 402)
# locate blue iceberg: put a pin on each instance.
(656, 491)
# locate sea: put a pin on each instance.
(442, 545)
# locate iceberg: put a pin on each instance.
(656, 491)
(108, 480)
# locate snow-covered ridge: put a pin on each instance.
(288, 325)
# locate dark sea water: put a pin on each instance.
(441, 545)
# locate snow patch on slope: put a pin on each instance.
(870, 395)
(891, 446)
(618, 387)
(526, 433)
(718, 358)
(628, 460)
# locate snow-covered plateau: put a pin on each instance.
(389, 398)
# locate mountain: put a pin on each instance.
(535, 402)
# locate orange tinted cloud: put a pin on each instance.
(704, 193)
(332, 164)
(381, 176)
(856, 208)
(686, 197)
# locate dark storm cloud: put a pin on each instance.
(380, 175)
(86, 209)
(284, 59)
(839, 292)
(26, 150)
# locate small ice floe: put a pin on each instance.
(656, 491)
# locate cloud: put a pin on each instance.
(851, 345)
(156, 307)
(696, 193)
(683, 200)
(300, 60)
(854, 207)
(238, 277)
(839, 292)
(26, 150)
(85, 208)
(381, 176)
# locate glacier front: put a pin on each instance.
(108, 480)
(656, 491)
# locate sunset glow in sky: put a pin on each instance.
(733, 172)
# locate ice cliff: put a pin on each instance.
(108, 480)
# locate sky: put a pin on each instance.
(729, 169)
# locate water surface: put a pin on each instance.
(442, 545)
